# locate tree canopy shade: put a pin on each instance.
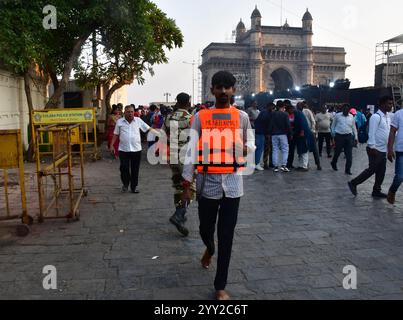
(130, 42)
(133, 34)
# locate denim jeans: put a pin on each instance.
(398, 173)
(259, 148)
(280, 143)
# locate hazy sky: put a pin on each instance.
(356, 25)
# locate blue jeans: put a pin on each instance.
(259, 148)
(398, 173)
(280, 143)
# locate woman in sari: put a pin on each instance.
(112, 119)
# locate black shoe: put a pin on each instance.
(353, 188)
(379, 195)
(334, 166)
(124, 189)
(329, 156)
(178, 220)
(136, 191)
(319, 168)
(349, 173)
(266, 167)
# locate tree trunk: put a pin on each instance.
(27, 88)
(54, 101)
(108, 97)
(54, 79)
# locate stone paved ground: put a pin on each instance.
(295, 234)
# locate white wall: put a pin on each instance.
(14, 113)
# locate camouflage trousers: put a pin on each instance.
(177, 170)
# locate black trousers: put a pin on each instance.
(129, 168)
(316, 154)
(291, 153)
(227, 211)
(267, 155)
(377, 166)
(344, 142)
(321, 138)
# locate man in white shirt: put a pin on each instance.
(396, 136)
(345, 134)
(379, 128)
(127, 130)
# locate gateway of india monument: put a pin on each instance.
(272, 59)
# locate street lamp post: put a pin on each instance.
(193, 63)
(167, 95)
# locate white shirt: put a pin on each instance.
(397, 123)
(311, 119)
(344, 125)
(129, 134)
(379, 129)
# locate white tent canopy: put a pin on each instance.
(398, 39)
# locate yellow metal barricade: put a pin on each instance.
(61, 166)
(11, 157)
(86, 117)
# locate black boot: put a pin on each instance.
(178, 220)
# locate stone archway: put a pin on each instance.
(282, 80)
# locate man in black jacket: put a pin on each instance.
(279, 130)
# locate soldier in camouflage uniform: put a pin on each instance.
(181, 119)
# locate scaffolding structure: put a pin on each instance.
(11, 157)
(61, 166)
(389, 66)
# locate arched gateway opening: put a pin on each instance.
(282, 80)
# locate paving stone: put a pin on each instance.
(294, 249)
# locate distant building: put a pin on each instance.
(269, 58)
(75, 97)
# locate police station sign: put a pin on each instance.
(63, 116)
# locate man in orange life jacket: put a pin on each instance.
(219, 177)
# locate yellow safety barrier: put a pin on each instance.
(86, 117)
(61, 166)
(11, 157)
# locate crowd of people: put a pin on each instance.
(284, 128)
(280, 130)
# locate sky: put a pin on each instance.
(356, 25)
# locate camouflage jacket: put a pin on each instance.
(181, 119)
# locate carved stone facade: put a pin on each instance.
(267, 58)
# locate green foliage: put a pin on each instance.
(133, 39)
(132, 36)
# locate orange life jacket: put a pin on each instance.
(220, 132)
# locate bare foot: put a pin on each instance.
(206, 260)
(222, 295)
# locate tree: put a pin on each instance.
(133, 33)
(131, 42)
(25, 43)
(20, 50)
